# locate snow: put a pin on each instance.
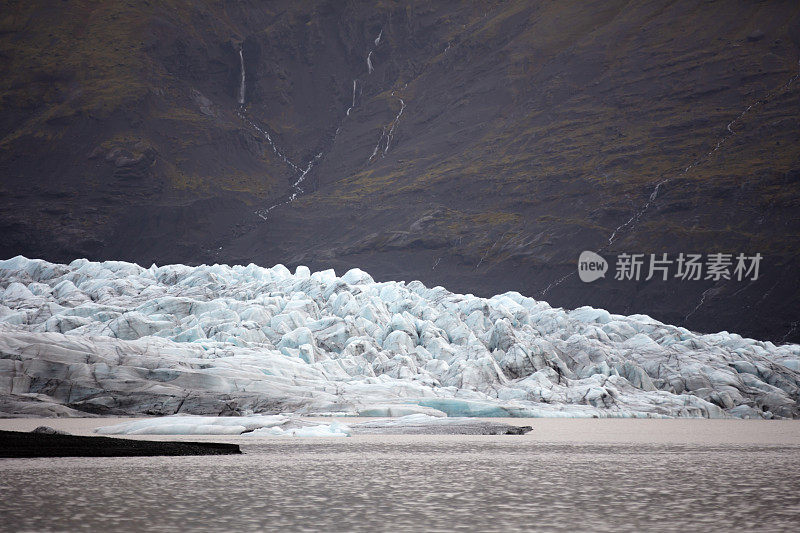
(117, 338)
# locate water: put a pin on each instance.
(431, 483)
(242, 82)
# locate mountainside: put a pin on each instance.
(478, 146)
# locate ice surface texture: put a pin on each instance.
(116, 338)
(254, 425)
(290, 426)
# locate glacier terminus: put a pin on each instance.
(114, 338)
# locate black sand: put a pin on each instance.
(18, 444)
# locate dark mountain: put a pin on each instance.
(491, 144)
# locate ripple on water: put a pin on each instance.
(449, 485)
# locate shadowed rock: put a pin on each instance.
(18, 444)
(47, 430)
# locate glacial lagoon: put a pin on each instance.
(566, 475)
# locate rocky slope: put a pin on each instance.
(485, 146)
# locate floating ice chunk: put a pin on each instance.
(335, 429)
(194, 425)
(420, 423)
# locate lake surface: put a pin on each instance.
(746, 478)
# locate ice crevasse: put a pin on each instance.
(116, 338)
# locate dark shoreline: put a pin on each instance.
(16, 444)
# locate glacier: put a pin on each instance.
(115, 338)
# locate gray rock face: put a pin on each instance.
(47, 430)
(29, 405)
(116, 338)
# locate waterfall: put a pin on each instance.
(394, 124)
(729, 132)
(638, 214)
(242, 82)
(387, 133)
(369, 55)
(296, 184)
(377, 146)
(355, 84)
(296, 190)
(268, 137)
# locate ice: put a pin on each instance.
(17, 291)
(114, 338)
(193, 425)
(286, 426)
(334, 429)
(461, 408)
(254, 425)
(400, 410)
(421, 423)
